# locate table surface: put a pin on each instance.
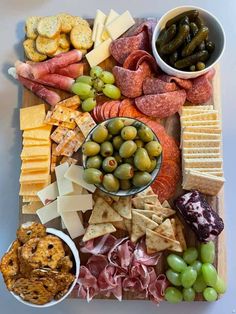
(12, 16)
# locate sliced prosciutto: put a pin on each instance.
(56, 81)
(39, 69)
(72, 70)
(51, 97)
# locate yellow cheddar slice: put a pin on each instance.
(35, 151)
(32, 117)
(42, 133)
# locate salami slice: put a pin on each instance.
(201, 90)
(153, 85)
(186, 84)
(161, 105)
(210, 74)
(122, 47)
(114, 112)
(137, 57)
(148, 27)
(106, 111)
(131, 82)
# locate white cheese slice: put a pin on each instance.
(65, 186)
(120, 25)
(75, 175)
(99, 54)
(110, 18)
(77, 189)
(73, 224)
(100, 18)
(74, 203)
(48, 212)
(98, 38)
(49, 193)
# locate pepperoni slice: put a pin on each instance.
(186, 84)
(114, 112)
(137, 57)
(107, 108)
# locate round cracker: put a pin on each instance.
(80, 21)
(64, 41)
(81, 37)
(58, 51)
(67, 22)
(49, 26)
(46, 45)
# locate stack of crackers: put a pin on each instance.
(36, 153)
(201, 149)
(72, 128)
(140, 216)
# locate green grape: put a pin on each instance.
(107, 77)
(209, 274)
(197, 265)
(173, 277)
(81, 89)
(91, 94)
(95, 71)
(173, 295)
(111, 91)
(199, 285)
(98, 84)
(85, 79)
(189, 294)
(210, 294)
(207, 252)
(190, 255)
(220, 285)
(188, 277)
(88, 104)
(176, 262)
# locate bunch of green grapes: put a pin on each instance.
(88, 86)
(193, 273)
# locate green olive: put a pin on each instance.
(92, 176)
(153, 148)
(100, 134)
(115, 126)
(124, 172)
(141, 178)
(125, 184)
(90, 148)
(128, 133)
(117, 141)
(109, 164)
(139, 143)
(153, 164)
(111, 183)
(142, 160)
(127, 149)
(94, 162)
(106, 149)
(145, 134)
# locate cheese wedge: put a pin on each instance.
(99, 54)
(120, 25)
(110, 18)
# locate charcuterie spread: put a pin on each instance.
(124, 158)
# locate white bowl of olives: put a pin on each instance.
(121, 156)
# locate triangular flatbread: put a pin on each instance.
(123, 207)
(180, 233)
(157, 219)
(95, 231)
(147, 213)
(165, 204)
(160, 211)
(128, 225)
(166, 229)
(103, 212)
(147, 191)
(119, 225)
(139, 225)
(157, 242)
(139, 202)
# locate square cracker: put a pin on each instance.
(32, 117)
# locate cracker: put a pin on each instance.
(32, 117)
(64, 114)
(139, 225)
(139, 202)
(201, 143)
(49, 26)
(200, 136)
(207, 116)
(157, 242)
(119, 225)
(67, 22)
(64, 41)
(46, 45)
(81, 37)
(31, 51)
(59, 51)
(128, 225)
(157, 219)
(188, 112)
(198, 107)
(202, 129)
(203, 163)
(95, 231)
(103, 212)
(85, 122)
(203, 155)
(200, 123)
(66, 139)
(70, 102)
(80, 21)
(30, 230)
(145, 212)
(69, 160)
(58, 134)
(123, 207)
(201, 150)
(180, 233)
(31, 24)
(204, 183)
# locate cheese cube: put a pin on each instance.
(120, 25)
(75, 203)
(75, 174)
(64, 185)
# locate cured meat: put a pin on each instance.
(72, 70)
(47, 95)
(56, 81)
(114, 112)
(157, 288)
(201, 90)
(148, 27)
(87, 284)
(100, 245)
(200, 216)
(137, 57)
(153, 85)
(186, 84)
(39, 69)
(161, 105)
(128, 109)
(210, 74)
(96, 263)
(122, 47)
(131, 82)
(141, 256)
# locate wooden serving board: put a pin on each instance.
(172, 126)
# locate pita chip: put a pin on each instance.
(123, 207)
(103, 212)
(147, 213)
(157, 218)
(139, 201)
(139, 225)
(159, 210)
(165, 204)
(128, 225)
(119, 225)
(180, 233)
(95, 231)
(147, 191)
(157, 242)
(166, 229)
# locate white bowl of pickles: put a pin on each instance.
(121, 156)
(188, 41)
